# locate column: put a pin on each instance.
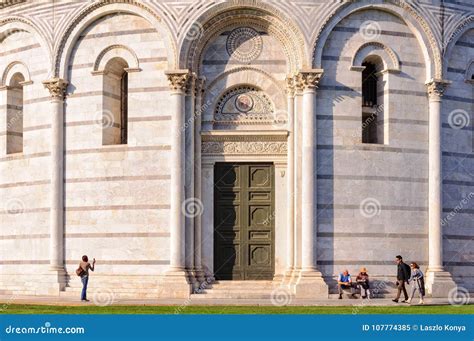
(207, 220)
(439, 282)
(57, 89)
(310, 282)
(191, 206)
(290, 233)
(178, 80)
(197, 180)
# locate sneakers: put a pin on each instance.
(421, 302)
(395, 300)
(340, 297)
(408, 301)
(86, 300)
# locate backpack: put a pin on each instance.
(407, 269)
(80, 271)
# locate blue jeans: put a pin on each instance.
(84, 281)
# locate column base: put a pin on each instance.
(439, 283)
(53, 282)
(176, 284)
(199, 275)
(310, 284)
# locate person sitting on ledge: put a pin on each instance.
(344, 282)
(362, 280)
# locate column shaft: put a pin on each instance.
(57, 89)
(198, 180)
(290, 234)
(177, 221)
(308, 175)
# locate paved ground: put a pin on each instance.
(69, 301)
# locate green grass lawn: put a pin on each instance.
(91, 309)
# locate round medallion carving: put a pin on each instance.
(244, 103)
(244, 44)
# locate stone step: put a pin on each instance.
(111, 295)
(250, 285)
(232, 295)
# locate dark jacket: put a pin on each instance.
(403, 272)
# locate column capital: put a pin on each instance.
(199, 85)
(57, 88)
(178, 79)
(290, 86)
(436, 88)
(307, 79)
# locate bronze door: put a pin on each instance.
(244, 221)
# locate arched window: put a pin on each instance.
(115, 102)
(372, 104)
(15, 114)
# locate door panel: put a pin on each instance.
(244, 221)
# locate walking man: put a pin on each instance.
(403, 276)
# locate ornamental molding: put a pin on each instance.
(393, 64)
(244, 147)
(244, 143)
(8, 3)
(237, 13)
(16, 67)
(116, 50)
(245, 18)
(57, 88)
(244, 44)
(243, 104)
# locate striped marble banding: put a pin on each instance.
(371, 235)
(117, 149)
(20, 49)
(24, 156)
(25, 183)
(382, 207)
(371, 178)
(119, 178)
(116, 207)
(372, 148)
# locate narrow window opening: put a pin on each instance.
(370, 109)
(14, 129)
(124, 108)
(115, 103)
